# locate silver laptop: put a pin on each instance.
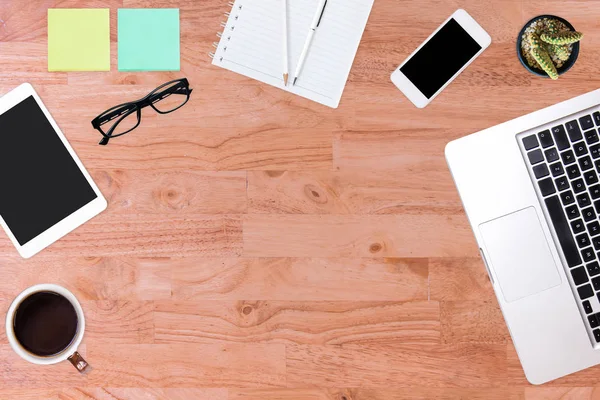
(531, 190)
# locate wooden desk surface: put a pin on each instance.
(261, 246)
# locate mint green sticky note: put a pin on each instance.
(148, 39)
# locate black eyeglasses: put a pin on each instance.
(127, 116)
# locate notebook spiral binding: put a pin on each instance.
(227, 36)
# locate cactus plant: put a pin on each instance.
(543, 59)
(561, 38)
(547, 44)
(561, 52)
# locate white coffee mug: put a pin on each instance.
(70, 353)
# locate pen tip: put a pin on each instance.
(294, 83)
(285, 79)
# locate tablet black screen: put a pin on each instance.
(40, 183)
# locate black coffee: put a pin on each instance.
(45, 323)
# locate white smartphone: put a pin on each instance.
(435, 63)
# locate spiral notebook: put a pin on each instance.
(251, 44)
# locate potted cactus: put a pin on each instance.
(548, 46)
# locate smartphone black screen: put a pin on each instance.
(440, 58)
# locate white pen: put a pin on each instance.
(285, 45)
(313, 27)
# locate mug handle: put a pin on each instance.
(78, 362)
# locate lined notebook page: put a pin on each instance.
(252, 45)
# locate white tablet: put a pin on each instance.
(45, 192)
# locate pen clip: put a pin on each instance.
(322, 12)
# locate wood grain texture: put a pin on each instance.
(297, 279)
(333, 323)
(258, 246)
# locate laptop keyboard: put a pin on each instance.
(565, 161)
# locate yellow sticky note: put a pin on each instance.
(78, 39)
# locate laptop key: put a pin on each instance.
(591, 137)
(573, 171)
(583, 200)
(560, 137)
(579, 275)
(562, 183)
(596, 116)
(552, 154)
(573, 131)
(597, 206)
(567, 198)
(597, 335)
(595, 191)
(535, 156)
(572, 212)
(547, 187)
(594, 150)
(587, 307)
(593, 321)
(585, 292)
(561, 226)
(593, 268)
(578, 186)
(586, 122)
(597, 164)
(556, 169)
(585, 163)
(596, 243)
(588, 255)
(568, 157)
(541, 171)
(590, 177)
(593, 228)
(545, 138)
(577, 226)
(596, 283)
(579, 148)
(583, 240)
(588, 214)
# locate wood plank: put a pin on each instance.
(29, 394)
(472, 322)
(459, 279)
(290, 322)
(296, 279)
(102, 393)
(392, 150)
(357, 236)
(119, 321)
(3, 310)
(141, 394)
(417, 186)
(389, 393)
(463, 365)
(111, 234)
(156, 365)
(152, 192)
(22, 60)
(89, 278)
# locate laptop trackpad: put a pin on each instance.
(519, 255)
